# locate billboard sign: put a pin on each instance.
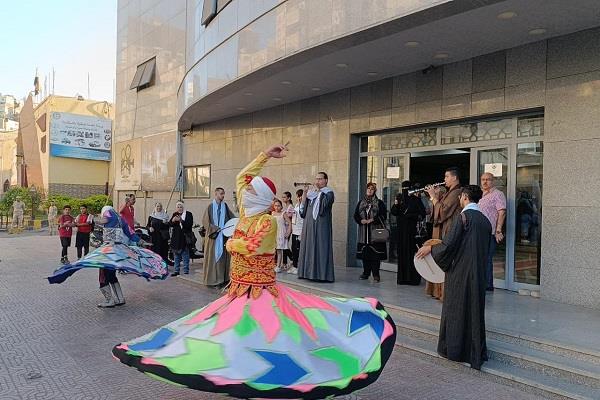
(80, 136)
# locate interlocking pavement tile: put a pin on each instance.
(56, 344)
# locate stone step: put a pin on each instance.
(553, 368)
(551, 363)
(431, 322)
(530, 380)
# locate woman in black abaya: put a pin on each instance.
(407, 209)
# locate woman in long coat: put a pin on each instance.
(158, 226)
(407, 210)
(370, 213)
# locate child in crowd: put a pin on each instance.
(84, 223)
(65, 231)
(284, 230)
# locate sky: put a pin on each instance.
(75, 37)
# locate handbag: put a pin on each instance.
(380, 235)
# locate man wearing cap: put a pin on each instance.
(316, 247)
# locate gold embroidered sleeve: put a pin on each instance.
(262, 241)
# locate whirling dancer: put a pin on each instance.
(263, 339)
(115, 254)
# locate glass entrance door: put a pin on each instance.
(496, 161)
(519, 175)
(528, 216)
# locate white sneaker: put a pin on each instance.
(278, 269)
(293, 270)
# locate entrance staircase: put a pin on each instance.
(550, 369)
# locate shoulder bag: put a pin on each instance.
(381, 234)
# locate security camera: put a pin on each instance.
(428, 70)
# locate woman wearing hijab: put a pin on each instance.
(181, 237)
(263, 339)
(158, 226)
(407, 210)
(370, 213)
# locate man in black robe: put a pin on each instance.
(463, 256)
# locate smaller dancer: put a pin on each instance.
(115, 254)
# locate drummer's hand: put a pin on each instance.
(423, 251)
(277, 151)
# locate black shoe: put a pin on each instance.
(186, 272)
(376, 278)
(363, 277)
(62, 260)
(490, 289)
(175, 274)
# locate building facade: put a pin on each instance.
(386, 91)
(150, 33)
(8, 160)
(9, 113)
(65, 145)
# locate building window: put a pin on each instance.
(211, 8)
(530, 126)
(43, 145)
(144, 75)
(400, 140)
(196, 181)
(478, 131)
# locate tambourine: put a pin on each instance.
(229, 227)
(427, 267)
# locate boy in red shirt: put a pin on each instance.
(84, 226)
(65, 231)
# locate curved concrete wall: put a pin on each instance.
(248, 35)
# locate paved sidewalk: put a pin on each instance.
(55, 343)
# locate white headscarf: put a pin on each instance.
(261, 201)
(161, 215)
(183, 214)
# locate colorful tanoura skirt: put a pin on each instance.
(131, 259)
(295, 345)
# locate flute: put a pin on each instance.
(296, 184)
(424, 188)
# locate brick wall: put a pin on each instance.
(79, 191)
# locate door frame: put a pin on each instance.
(509, 224)
(511, 144)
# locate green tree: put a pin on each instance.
(10, 196)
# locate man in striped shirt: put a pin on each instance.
(493, 206)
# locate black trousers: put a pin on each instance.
(371, 267)
(65, 242)
(295, 250)
(106, 277)
(82, 241)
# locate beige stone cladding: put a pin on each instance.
(543, 75)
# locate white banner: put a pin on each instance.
(80, 136)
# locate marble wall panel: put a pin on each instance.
(568, 104)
